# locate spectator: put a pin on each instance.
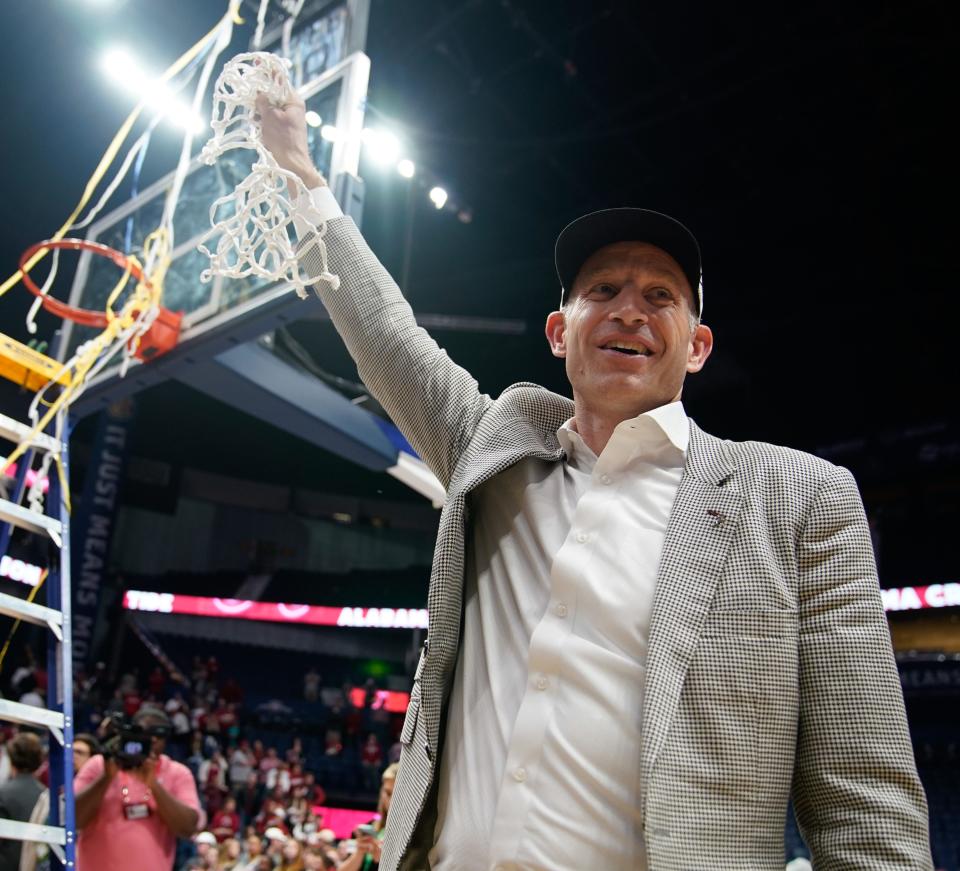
(226, 821)
(252, 853)
(315, 859)
(278, 779)
(296, 777)
(333, 742)
(311, 685)
(248, 797)
(369, 846)
(371, 759)
(268, 763)
(85, 746)
(138, 812)
(276, 838)
(291, 856)
(295, 753)
(273, 813)
(156, 682)
(19, 795)
(311, 790)
(206, 845)
(30, 692)
(212, 778)
(196, 758)
(241, 766)
(229, 855)
(115, 705)
(131, 701)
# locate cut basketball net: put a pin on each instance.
(254, 234)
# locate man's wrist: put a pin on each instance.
(308, 174)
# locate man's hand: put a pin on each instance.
(284, 132)
(148, 771)
(109, 768)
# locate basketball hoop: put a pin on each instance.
(163, 332)
(83, 316)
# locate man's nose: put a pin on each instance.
(630, 307)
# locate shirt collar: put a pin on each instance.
(669, 420)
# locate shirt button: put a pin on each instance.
(606, 479)
(582, 537)
(542, 683)
(561, 610)
(520, 775)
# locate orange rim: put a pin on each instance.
(84, 317)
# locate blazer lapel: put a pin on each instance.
(701, 527)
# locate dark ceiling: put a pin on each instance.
(805, 144)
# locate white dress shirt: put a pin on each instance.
(541, 760)
(540, 766)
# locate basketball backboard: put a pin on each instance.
(337, 95)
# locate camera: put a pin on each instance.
(128, 743)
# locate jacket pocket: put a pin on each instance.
(413, 712)
(751, 624)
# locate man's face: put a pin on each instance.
(81, 755)
(625, 332)
(254, 846)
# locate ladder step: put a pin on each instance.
(30, 715)
(14, 431)
(40, 615)
(16, 831)
(10, 512)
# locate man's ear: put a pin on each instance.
(701, 344)
(556, 330)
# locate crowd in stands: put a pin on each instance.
(260, 768)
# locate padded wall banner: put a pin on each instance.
(94, 524)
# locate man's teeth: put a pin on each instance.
(629, 348)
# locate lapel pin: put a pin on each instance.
(716, 516)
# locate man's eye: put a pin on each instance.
(662, 293)
(604, 289)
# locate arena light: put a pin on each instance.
(438, 196)
(313, 119)
(121, 68)
(406, 168)
(330, 133)
(382, 146)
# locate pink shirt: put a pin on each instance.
(111, 842)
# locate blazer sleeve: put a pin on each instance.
(435, 403)
(858, 799)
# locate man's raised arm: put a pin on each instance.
(434, 402)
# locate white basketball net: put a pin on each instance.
(254, 237)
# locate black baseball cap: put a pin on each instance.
(589, 233)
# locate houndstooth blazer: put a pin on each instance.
(769, 671)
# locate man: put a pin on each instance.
(664, 635)
(85, 747)
(19, 794)
(132, 817)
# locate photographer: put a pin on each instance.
(134, 801)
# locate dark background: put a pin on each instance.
(805, 145)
